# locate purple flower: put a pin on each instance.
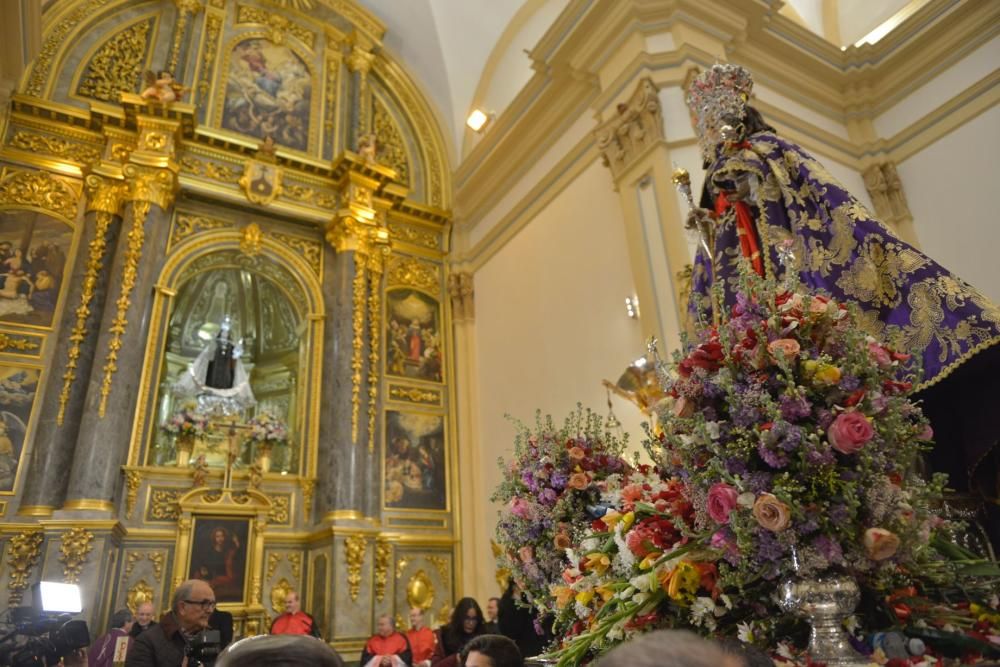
(768, 547)
(548, 496)
(559, 480)
(838, 514)
(786, 435)
(759, 482)
(829, 549)
(849, 382)
(794, 407)
(771, 457)
(824, 418)
(744, 414)
(736, 466)
(819, 457)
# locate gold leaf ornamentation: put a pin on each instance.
(279, 25)
(39, 189)
(383, 556)
(157, 559)
(273, 558)
(295, 561)
(213, 29)
(413, 272)
(56, 147)
(116, 66)
(278, 594)
(163, 504)
(188, 224)
(278, 514)
(392, 147)
(401, 566)
(420, 591)
(74, 546)
(53, 42)
(21, 343)
(137, 594)
(131, 559)
(22, 554)
(408, 234)
(310, 250)
(440, 564)
(133, 479)
(414, 394)
(354, 552)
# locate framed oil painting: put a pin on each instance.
(413, 335)
(33, 252)
(18, 385)
(268, 93)
(219, 556)
(415, 475)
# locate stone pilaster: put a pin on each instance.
(886, 191)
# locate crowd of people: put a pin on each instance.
(502, 637)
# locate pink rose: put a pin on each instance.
(787, 346)
(880, 543)
(879, 355)
(819, 305)
(683, 408)
(771, 513)
(576, 453)
(849, 432)
(927, 434)
(520, 508)
(578, 481)
(721, 501)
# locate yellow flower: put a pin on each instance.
(598, 562)
(682, 582)
(649, 560)
(584, 597)
(562, 594)
(610, 518)
(827, 374)
(606, 592)
(627, 521)
(809, 367)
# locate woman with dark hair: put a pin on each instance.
(466, 623)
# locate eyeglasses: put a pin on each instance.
(204, 604)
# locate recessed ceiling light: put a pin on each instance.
(477, 120)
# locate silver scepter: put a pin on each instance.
(700, 223)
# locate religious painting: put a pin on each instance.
(413, 337)
(33, 252)
(219, 555)
(17, 395)
(415, 461)
(268, 93)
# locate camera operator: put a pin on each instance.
(179, 631)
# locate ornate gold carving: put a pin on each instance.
(136, 237)
(638, 125)
(213, 29)
(462, 292)
(22, 343)
(310, 250)
(57, 37)
(350, 11)
(440, 563)
(185, 9)
(309, 195)
(213, 170)
(374, 265)
(301, 5)
(409, 234)
(279, 25)
(133, 479)
(332, 77)
(383, 556)
(156, 186)
(273, 558)
(295, 561)
(354, 553)
(278, 513)
(137, 594)
(39, 189)
(22, 554)
(261, 181)
(420, 591)
(401, 565)
(357, 343)
(187, 224)
(278, 593)
(55, 146)
(412, 272)
(360, 61)
(74, 546)
(308, 487)
(156, 559)
(131, 558)
(414, 394)
(250, 239)
(115, 67)
(163, 504)
(392, 148)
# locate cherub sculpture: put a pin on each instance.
(368, 147)
(200, 473)
(162, 87)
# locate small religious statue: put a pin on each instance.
(267, 149)
(217, 378)
(368, 147)
(256, 476)
(162, 87)
(200, 473)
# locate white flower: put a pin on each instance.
(616, 634)
(713, 430)
(644, 582)
(581, 611)
(640, 598)
(784, 651)
(703, 613)
(726, 601)
(851, 624)
(746, 499)
(744, 632)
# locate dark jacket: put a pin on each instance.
(160, 646)
(138, 629)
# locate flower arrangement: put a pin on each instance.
(786, 448)
(554, 476)
(187, 422)
(265, 428)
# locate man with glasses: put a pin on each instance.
(164, 645)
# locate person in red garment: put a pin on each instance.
(422, 639)
(388, 648)
(294, 621)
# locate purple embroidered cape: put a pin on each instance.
(906, 298)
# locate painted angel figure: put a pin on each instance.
(774, 206)
(217, 378)
(162, 87)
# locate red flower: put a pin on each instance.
(854, 398)
(893, 387)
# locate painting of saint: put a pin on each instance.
(268, 93)
(413, 337)
(219, 556)
(17, 395)
(33, 253)
(415, 461)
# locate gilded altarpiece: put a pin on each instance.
(132, 226)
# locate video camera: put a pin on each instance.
(45, 632)
(203, 648)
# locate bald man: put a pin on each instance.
(387, 648)
(144, 614)
(294, 621)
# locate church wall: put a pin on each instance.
(947, 185)
(551, 322)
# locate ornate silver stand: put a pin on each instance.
(826, 601)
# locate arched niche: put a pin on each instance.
(275, 305)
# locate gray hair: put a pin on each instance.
(280, 651)
(183, 592)
(120, 618)
(666, 648)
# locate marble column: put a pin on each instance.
(62, 402)
(112, 388)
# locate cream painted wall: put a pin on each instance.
(551, 323)
(948, 186)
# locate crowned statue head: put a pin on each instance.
(718, 99)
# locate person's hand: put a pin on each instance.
(697, 214)
(385, 662)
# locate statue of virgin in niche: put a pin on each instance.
(217, 379)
